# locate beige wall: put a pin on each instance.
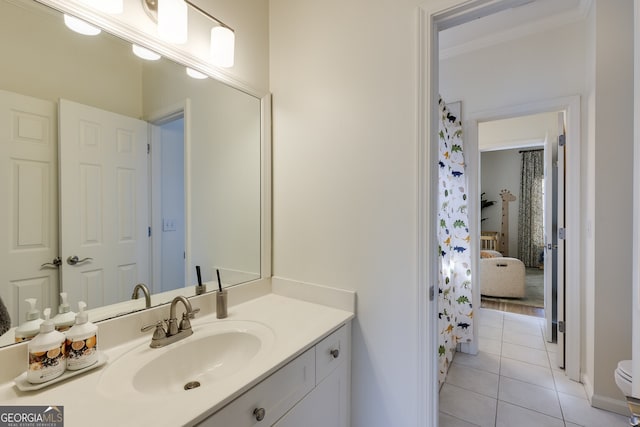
(44, 59)
(537, 67)
(588, 175)
(612, 194)
(343, 77)
(517, 131)
(500, 170)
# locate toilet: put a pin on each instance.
(623, 376)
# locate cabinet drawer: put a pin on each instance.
(330, 352)
(275, 395)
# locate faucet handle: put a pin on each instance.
(192, 313)
(185, 323)
(159, 332)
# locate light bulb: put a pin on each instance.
(222, 46)
(144, 53)
(173, 20)
(80, 26)
(196, 74)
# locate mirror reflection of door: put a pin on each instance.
(104, 196)
(29, 212)
(168, 183)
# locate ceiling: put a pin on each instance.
(514, 22)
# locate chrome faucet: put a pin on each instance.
(147, 298)
(174, 332)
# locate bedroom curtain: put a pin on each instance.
(530, 225)
(454, 298)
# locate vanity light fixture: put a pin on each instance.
(171, 17)
(144, 53)
(222, 46)
(80, 26)
(173, 20)
(196, 74)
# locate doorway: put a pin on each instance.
(168, 198)
(518, 155)
(570, 108)
(434, 18)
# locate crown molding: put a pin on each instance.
(538, 26)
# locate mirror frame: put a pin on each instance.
(121, 29)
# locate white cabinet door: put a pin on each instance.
(326, 405)
(104, 203)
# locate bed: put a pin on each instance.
(501, 276)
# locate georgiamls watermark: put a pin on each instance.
(31, 416)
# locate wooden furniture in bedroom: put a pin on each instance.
(489, 240)
(504, 236)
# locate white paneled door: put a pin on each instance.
(550, 226)
(554, 253)
(104, 214)
(29, 208)
(560, 258)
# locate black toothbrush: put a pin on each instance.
(199, 276)
(219, 282)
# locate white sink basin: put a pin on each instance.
(216, 351)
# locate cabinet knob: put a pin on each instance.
(259, 413)
(335, 353)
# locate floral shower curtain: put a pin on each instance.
(530, 218)
(454, 299)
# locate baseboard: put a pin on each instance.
(588, 386)
(609, 404)
(602, 402)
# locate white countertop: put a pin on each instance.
(297, 325)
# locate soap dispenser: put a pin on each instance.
(65, 317)
(31, 327)
(46, 352)
(82, 341)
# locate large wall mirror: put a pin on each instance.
(117, 171)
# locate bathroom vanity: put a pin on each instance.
(311, 390)
(282, 358)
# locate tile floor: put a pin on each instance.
(513, 381)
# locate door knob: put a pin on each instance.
(53, 264)
(73, 260)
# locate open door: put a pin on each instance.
(550, 244)
(104, 197)
(29, 212)
(560, 238)
(554, 288)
